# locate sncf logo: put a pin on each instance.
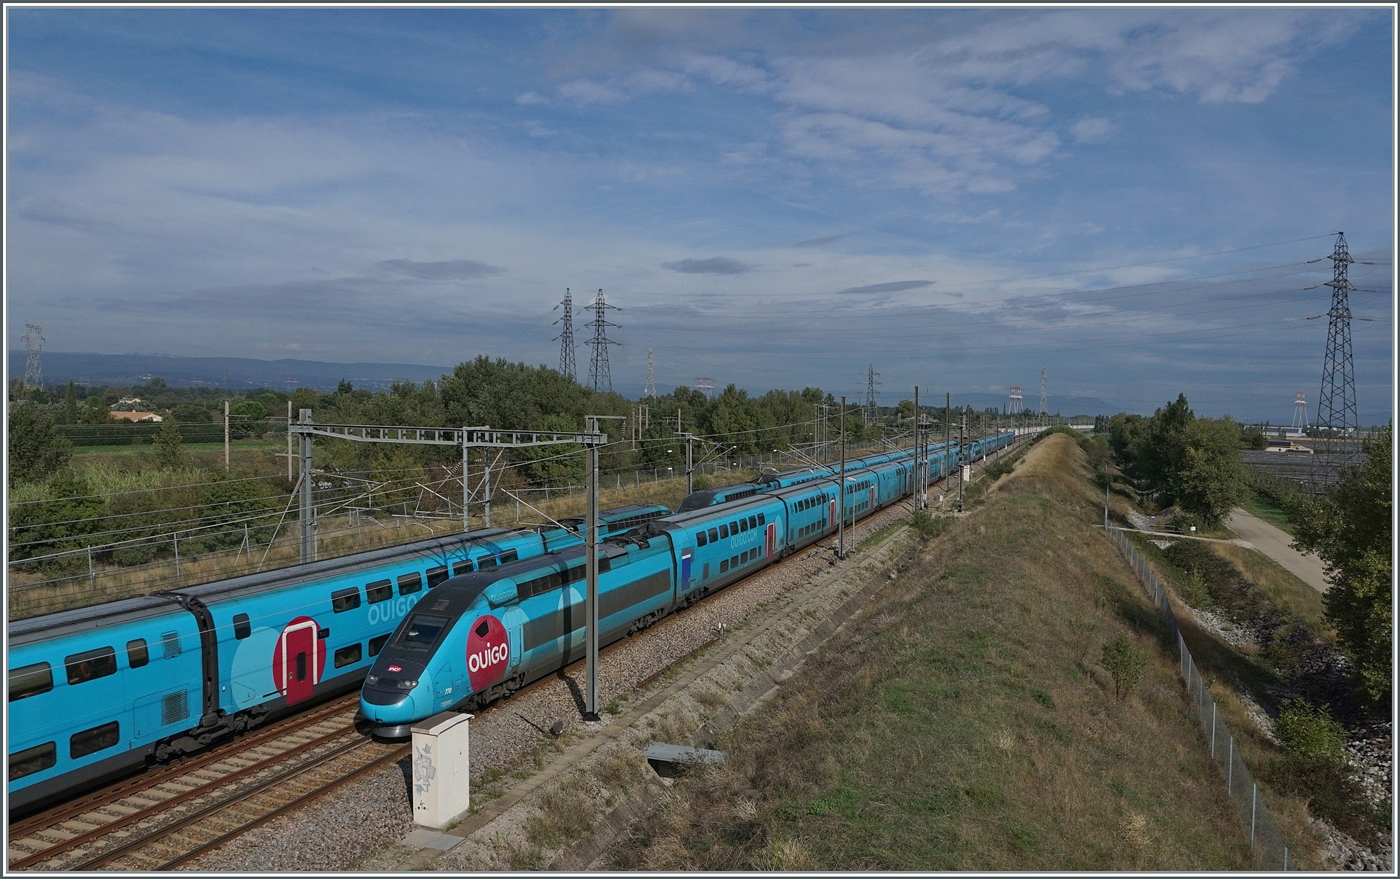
(488, 652)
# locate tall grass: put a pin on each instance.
(965, 723)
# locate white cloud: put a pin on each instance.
(529, 98)
(1092, 130)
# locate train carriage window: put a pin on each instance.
(723, 565)
(701, 539)
(410, 583)
(509, 555)
(242, 626)
(348, 655)
(436, 576)
(743, 525)
(30, 680)
(377, 644)
(485, 562)
(723, 531)
(136, 653)
(170, 644)
(90, 741)
(464, 567)
(301, 666)
(714, 534)
(345, 599)
(705, 575)
(91, 664)
(762, 520)
(753, 521)
(32, 760)
(379, 590)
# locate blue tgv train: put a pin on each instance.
(481, 636)
(99, 691)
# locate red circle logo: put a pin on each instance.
(488, 652)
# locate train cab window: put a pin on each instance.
(170, 644)
(485, 562)
(463, 567)
(348, 655)
(509, 555)
(410, 583)
(700, 539)
(377, 644)
(345, 599)
(91, 664)
(420, 633)
(379, 590)
(32, 760)
(136, 653)
(436, 576)
(242, 626)
(90, 741)
(29, 680)
(714, 534)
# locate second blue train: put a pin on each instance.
(481, 636)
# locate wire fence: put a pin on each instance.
(1270, 853)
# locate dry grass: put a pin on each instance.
(963, 723)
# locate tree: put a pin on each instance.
(1206, 475)
(96, 412)
(191, 413)
(70, 404)
(1125, 662)
(36, 451)
(1350, 530)
(167, 445)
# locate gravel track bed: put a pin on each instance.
(369, 818)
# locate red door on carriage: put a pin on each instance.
(298, 660)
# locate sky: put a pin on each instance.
(1137, 200)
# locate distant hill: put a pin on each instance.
(238, 373)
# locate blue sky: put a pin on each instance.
(1125, 197)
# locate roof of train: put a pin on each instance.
(86, 619)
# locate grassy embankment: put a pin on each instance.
(965, 722)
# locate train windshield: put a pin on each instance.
(420, 633)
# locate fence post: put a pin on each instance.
(92, 577)
(1212, 730)
(1230, 770)
(1285, 859)
(176, 535)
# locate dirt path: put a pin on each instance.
(1275, 544)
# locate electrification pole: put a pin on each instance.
(918, 458)
(307, 524)
(962, 443)
(591, 572)
(841, 525)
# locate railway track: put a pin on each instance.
(161, 819)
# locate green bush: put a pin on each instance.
(1310, 731)
(1125, 662)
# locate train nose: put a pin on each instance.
(391, 704)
